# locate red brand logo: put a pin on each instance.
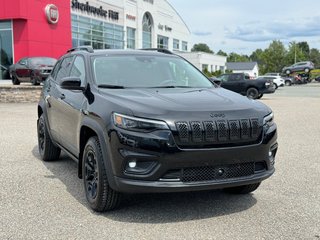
(52, 13)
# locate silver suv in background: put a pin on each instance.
(306, 66)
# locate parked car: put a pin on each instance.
(317, 79)
(299, 66)
(241, 83)
(288, 81)
(277, 80)
(31, 69)
(156, 125)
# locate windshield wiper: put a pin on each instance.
(171, 86)
(110, 86)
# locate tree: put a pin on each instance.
(201, 47)
(295, 54)
(304, 48)
(235, 57)
(222, 53)
(315, 57)
(273, 57)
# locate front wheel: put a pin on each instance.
(245, 189)
(288, 72)
(15, 80)
(306, 70)
(100, 196)
(252, 93)
(48, 151)
(260, 96)
(276, 85)
(34, 80)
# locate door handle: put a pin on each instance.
(62, 96)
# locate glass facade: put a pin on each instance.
(163, 42)
(98, 34)
(6, 53)
(131, 38)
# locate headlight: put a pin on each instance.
(138, 124)
(268, 120)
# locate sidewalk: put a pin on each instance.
(5, 82)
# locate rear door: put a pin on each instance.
(232, 82)
(54, 99)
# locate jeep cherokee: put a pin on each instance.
(148, 121)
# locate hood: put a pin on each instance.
(180, 103)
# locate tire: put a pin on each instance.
(306, 70)
(34, 80)
(288, 83)
(260, 96)
(245, 189)
(100, 196)
(48, 151)
(252, 93)
(275, 85)
(288, 72)
(15, 80)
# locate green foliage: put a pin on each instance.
(234, 57)
(315, 57)
(201, 47)
(222, 53)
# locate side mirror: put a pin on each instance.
(71, 83)
(215, 81)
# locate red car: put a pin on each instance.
(31, 69)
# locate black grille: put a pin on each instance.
(220, 132)
(208, 173)
(183, 131)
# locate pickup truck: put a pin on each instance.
(241, 83)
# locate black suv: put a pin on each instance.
(241, 83)
(148, 121)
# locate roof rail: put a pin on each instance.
(162, 50)
(81, 48)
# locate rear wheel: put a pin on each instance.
(307, 70)
(276, 85)
(15, 80)
(101, 197)
(288, 83)
(252, 93)
(288, 72)
(48, 151)
(245, 189)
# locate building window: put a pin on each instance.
(147, 24)
(131, 38)
(98, 34)
(163, 42)
(6, 54)
(176, 44)
(184, 46)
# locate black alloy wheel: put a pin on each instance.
(100, 196)
(47, 150)
(252, 93)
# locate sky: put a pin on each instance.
(243, 26)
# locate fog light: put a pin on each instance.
(270, 154)
(132, 164)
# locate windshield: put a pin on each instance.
(145, 71)
(43, 61)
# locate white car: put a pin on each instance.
(277, 80)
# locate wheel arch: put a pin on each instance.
(90, 128)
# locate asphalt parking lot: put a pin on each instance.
(41, 200)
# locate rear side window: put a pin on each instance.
(64, 69)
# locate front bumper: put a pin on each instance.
(157, 156)
(268, 90)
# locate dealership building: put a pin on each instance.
(51, 27)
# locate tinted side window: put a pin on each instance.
(78, 69)
(55, 70)
(64, 68)
(235, 77)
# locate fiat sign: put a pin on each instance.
(52, 13)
